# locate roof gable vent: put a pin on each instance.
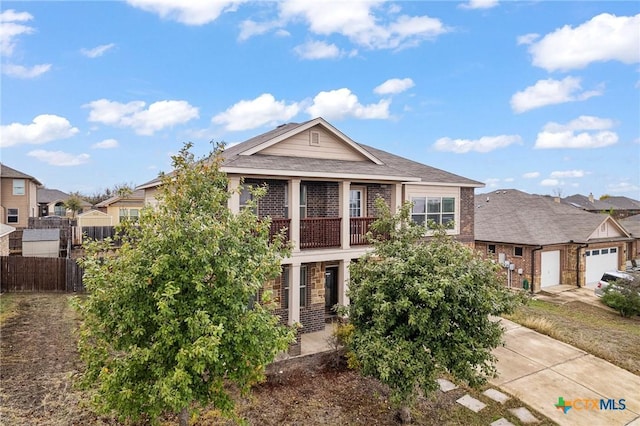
(314, 138)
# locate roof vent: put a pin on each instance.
(314, 138)
(281, 125)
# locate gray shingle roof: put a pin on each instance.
(515, 217)
(632, 224)
(46, 196)
(137, 195)
(8, 172)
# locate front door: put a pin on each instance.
(330, 290)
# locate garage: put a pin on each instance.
(550, 268)
(600, 261)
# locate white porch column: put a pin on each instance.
(343, 205)
(343, 282)
(294, 293)
(234, 200)
(293, 195)
(396, 197)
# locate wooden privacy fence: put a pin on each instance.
(36, 274)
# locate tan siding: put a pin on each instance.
(328, 148)
(94, 219)
(20, 202)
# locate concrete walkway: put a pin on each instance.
(538, 370)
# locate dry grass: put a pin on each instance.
(7, 306)
(598, 331)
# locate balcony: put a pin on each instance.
(325, 232)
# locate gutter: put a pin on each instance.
(533, 265)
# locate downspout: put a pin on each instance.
(580, 247)
(533, 265)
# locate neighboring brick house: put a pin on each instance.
(616, 206)
(632, 224)
(322, 187)
(18, 197)
(51, 202)
(538, 239)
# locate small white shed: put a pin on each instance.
(41, 243)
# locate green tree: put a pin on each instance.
(624, 296)
(172, 320)
(422, 308)
(73, 203)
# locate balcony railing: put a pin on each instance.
(359, 227)
(277, 225)
(320, 232)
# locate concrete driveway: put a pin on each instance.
(539, 370)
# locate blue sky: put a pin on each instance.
(540, 96)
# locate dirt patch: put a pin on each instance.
(38, 362)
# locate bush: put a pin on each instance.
(623, 296)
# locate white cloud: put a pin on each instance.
(106, 144)
(257, 112)
(492, 182)
(551, 182)
(357, 21)
(531, 175)
(394, 86)
(317, 50)
(527, 38)
(43, 129)
(550, 92)
(157, 116)
(479, 4)
(605, 37)
(594, 134)
(567, 174)
(484, 144)
(341, 103)
(97, 51)
(19, 71)
(250, 28)
(59, 158)
(188, 12)
(10, 28)
(623, 187)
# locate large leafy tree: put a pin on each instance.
(422, 308)
(171, 320)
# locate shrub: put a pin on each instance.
(623, 296)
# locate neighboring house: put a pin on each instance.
(618, 207)
(538, 239)
(5, 231)
(123, 207)
(41, 243)
(51, 203)
(18, 193)
(632, 224)
(89, 220)
(322, 186)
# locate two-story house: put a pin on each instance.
(18, 197)
(322, 187)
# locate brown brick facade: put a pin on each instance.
(467, 216)
(373, 192)
(322, 199)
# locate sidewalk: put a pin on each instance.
(538, 370)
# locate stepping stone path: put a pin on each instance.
(471, 403)
(446, 385)
(496, 395)
(524, 415)
(502, 422)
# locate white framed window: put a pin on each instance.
(303, 286)
(129, 214)
(491, 249)
(245, 197)
(518, 251)
(356, 202)
(440, 210)
(13, 216)
(59, 209)
(18, 187)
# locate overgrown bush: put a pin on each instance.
(623, 296)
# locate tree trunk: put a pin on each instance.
(183, 417)
(405, 415)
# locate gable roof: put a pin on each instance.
(245, 158)
(632, 224)
(48, 196)
(611, 202)
(515, 217)
(8, 172)
(135, 196)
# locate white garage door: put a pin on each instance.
(600, 261)
(550, 268)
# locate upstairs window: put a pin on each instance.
(440, 210)
(18, 186)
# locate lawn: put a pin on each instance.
(38, 360)
(599, 331)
